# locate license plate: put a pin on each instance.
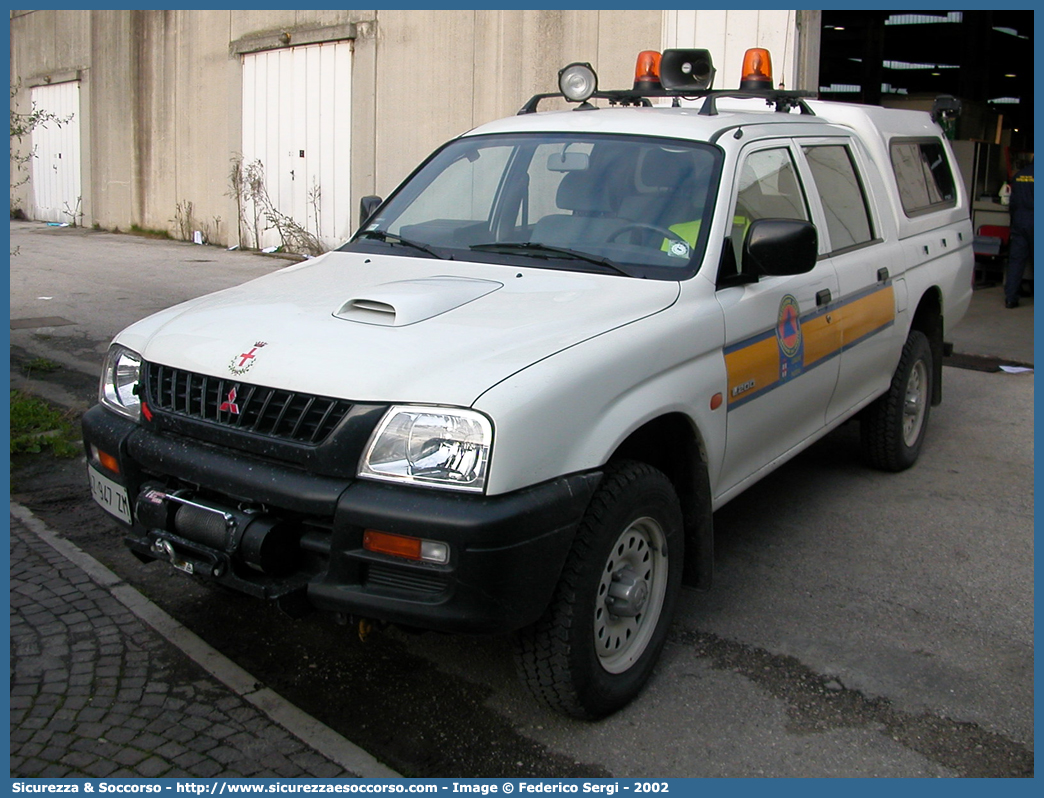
(110, 495)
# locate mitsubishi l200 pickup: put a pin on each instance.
(514, 399)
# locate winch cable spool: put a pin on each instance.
(265, 543)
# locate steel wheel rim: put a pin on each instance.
(638, 562)
(915, 402)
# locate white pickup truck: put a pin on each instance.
(514, 399)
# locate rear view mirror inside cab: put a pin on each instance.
(568, 162)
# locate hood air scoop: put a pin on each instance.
(407, 302)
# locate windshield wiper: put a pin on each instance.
(548, 251)
(391, 238)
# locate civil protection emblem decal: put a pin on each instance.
(789, 338)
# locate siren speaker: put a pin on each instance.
(687, 69)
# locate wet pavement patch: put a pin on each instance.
(981, 362)
(818, 703)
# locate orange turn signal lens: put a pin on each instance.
(385, 543)
(647, 68)
(757, 70)
(405, 546)
(106, 460)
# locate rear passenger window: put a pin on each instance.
(841, 191)
(923, 174)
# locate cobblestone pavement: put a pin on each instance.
(95, 692)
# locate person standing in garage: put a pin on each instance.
(1021, 247)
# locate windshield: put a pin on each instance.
(632, 205)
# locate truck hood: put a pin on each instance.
(374, 328)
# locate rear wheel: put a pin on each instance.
(595, 646)
(893, 427)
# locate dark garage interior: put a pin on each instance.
(982, 57)
(905, 59)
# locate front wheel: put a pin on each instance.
(595, 646)
(893, 427)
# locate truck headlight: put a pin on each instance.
(119, 379)
(434, 446)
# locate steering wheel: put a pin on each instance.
(663, 231)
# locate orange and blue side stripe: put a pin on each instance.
(763, 362)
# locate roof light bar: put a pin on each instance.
(677, 74)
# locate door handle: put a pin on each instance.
(822, 297)
(882, 274)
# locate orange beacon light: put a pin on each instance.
(647, 70)
(757, 70)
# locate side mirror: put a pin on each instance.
(367, 205)
(779, 247)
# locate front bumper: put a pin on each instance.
(506, 552)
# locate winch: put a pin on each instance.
(265, 543)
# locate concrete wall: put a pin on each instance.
(161, 102)
(441, 73)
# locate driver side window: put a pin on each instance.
(769, 188)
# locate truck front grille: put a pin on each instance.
(273, 412)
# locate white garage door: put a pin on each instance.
(55, 169)
(297, 123)
(728, 34)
